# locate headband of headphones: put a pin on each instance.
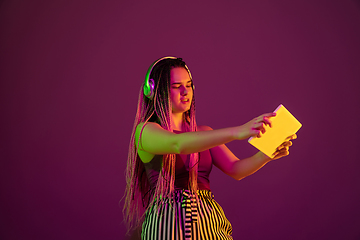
(149, 84)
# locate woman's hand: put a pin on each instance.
(283, 149)
(255, 127)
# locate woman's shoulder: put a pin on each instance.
(152, 129)
(143, 124)
(204, 128)
(153, 125)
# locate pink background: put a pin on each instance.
(70, 72)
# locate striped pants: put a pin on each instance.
(182, 218)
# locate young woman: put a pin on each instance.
(170, 159)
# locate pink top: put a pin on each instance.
(182, 170)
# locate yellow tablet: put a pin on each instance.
(284, 124)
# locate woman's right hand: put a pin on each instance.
(255, 127)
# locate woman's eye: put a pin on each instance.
(177, 87)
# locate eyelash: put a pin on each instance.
(189, 86)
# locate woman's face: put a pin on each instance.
(181, 92)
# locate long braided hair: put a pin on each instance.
(157, 109)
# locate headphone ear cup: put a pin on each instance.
(149, 88)
(152, 87)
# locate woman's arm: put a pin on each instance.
(227, 162)
(157, 141)
(234, 167)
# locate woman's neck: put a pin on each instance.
(177, 121)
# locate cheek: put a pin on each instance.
(173, 95)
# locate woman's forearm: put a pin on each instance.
(199, 141)
(248, 166)
(191, 142)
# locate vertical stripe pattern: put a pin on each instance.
(183, 218)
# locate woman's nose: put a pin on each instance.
(184, 91)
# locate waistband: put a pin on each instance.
(189, 203)
(180, 194)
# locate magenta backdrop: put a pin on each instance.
(70, 73)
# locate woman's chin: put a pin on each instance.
(181, 110)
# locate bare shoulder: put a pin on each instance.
(148, 125)
(141, 126)
(204, 128)
(150, 131)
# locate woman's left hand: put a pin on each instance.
(283, 149)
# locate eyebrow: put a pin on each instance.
(190, 81)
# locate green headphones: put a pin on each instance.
(149, 84)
